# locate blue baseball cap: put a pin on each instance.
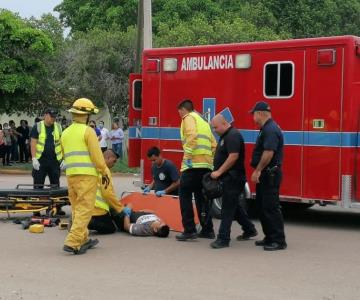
(260, 106)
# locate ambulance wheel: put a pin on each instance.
(291, 206)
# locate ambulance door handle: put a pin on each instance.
(318, 123)
(152, 121)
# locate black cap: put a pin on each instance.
(260, 106)
(51, 111)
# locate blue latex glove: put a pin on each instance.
(127, 211)
(146, 190)
(188, 163)
(160, 193)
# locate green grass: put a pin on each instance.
(120, 167)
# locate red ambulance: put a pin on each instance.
(312, 86)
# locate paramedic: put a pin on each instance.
(164, 173)
(199, 146)
(84, 161)
(229, 168)
(267, 159)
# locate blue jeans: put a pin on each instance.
(117, 148)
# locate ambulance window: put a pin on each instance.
(137, 99)
(279, 80)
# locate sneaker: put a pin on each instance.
(186, 236)
(91, 243)
(84, 247)
(207, 235)
(275, 246)
(218, 244)
(247, 235)
(69, 249)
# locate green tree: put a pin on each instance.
(86, 15)
(97, 64)
(22, 68)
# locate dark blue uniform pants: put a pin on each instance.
(191, 182)
(268, 203)
(48, 167)
(231, 208)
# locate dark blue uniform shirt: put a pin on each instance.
(231, 142)
(164, 176)
(49, 148)
(270, 138)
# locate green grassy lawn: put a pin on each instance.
(120, 167)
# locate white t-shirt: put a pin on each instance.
(105, 135)
(117, 136)
(142, 227)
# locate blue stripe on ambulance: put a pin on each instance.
(306, 138)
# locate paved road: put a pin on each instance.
(322, 262)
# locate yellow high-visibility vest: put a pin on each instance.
(40, 146)
(76, 154)
(203, 141)
(100, 202)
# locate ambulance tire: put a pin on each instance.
(291, 206)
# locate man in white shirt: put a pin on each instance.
(105, 135)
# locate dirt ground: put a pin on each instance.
(321, 262)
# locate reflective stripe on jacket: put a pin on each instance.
(76, 154)
(100, 201)
(40, 146)
(200, 147)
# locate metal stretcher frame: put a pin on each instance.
(33, 198)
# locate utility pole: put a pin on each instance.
(147, 25)
(144, 31)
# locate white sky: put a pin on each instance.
(28, 8)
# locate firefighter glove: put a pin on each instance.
(36, 164)
(105, 181)
(188, 163)
(146, 190)
(127, 211)
(160, 193)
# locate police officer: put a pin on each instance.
(267, 159)
(199, 145)
(229, 168)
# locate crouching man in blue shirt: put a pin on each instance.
(165, 175)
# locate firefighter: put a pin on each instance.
(267, 159)
(84, 164)
(106, 200)
(199, 146)
(47, 157)
(229, 168)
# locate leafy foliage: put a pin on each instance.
(22, 68)
(97, 65)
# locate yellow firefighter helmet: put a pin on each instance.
(83, 106)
